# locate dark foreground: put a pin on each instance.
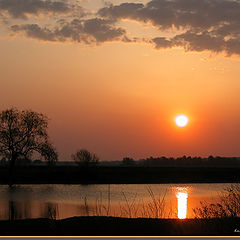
(119, 175)
(112, 226)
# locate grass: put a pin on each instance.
(129, 208)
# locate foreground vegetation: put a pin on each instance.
(112, 226)
(227, 206)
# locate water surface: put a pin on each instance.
(123, 200)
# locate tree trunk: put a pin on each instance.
(11, 170)
(11, 211)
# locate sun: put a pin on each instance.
(181, 120)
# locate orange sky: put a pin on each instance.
(119, 98)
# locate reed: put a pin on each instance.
(129, 208)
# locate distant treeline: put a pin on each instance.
(189, 161)
(175, 162)
(148, 162)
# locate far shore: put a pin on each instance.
(119, 175)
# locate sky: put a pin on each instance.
(112, 75)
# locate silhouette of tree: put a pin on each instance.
(23, 162)
(85, 158)
(23, 133)
(3, 161)
(128, 161)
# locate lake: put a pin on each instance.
(123, 200)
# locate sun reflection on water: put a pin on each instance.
(182, 196)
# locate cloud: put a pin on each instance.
(22, 8)
(206, 24)
(35, 31)
(192, 41)
(88, 31)
(198, 25)
(199, 41)
(162, 42)
(178, 13)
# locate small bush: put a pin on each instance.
(228, 205)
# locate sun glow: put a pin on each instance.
(181, 120)
(182, 196)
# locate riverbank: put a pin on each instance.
(112, 226)
(119, 175)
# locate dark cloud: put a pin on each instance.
(125, 10)
(21, 8)
(88, 31)
(34, 31)
(192, 41)
(200, 25)
(162, 42)
(208, 24)
(178, 13)
(199, 41)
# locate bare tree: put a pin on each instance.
(21, 134)
(85, 158)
